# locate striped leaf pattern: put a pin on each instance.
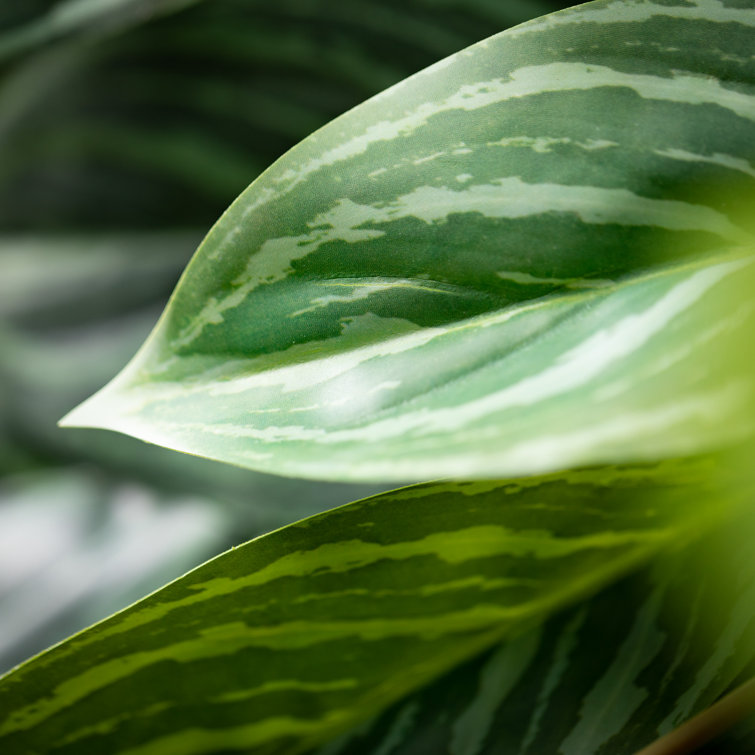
(568, 380)
(464, 274)
(606, 678)
(289, 640)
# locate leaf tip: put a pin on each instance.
(91, 413)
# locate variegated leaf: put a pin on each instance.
(287, 641)
(483, 271)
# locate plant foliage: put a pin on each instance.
(527, 268)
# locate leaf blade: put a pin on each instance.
(427, 210)
(547, 386)
(288, 640)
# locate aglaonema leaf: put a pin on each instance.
(287, 641)
(501, 265)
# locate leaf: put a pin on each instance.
(568, 380)
(41, 374)
(52, 281)
(294, 637)
(605, 678)
(503, 265)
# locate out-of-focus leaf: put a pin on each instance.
(61, 281)
(294, 637)
(482, 272)
(75, 547)
(166, 123)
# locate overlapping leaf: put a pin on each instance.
(290, 639)
(510, 263)
(483, 271)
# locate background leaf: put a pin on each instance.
(164, 123)
(75, 546)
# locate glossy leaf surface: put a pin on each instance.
(294, 637)
(464, 274)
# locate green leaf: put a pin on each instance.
(289, 640)
(595, 377)
(606, 678)
(501, 265)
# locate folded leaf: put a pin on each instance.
(483, 271)
(296, 636)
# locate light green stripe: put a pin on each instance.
(614, 698)
(226, 639)
(195, 740)
(497, 678)
(567, 643)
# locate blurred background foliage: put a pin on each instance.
(126, 128)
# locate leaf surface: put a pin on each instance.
(607, 677)
(507, 263)
(285, 642)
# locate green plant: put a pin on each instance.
(527, 268)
